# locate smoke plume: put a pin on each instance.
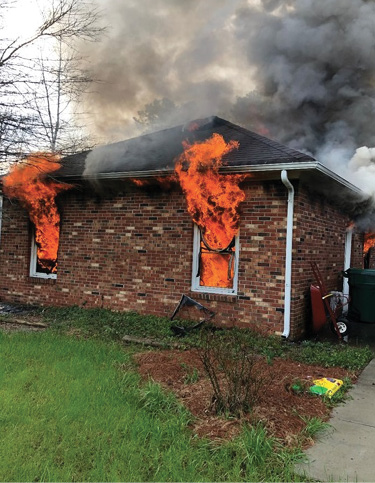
(164, 62)
(314, 74)
(298, 71)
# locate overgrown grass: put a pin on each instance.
(74, 410)
(106, 324)
(314, 427)
(329, 355)
(324, 354)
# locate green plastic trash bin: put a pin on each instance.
(362, 294)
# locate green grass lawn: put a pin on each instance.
(75, 410)
(105, 324)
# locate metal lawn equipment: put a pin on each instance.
(327, 307)
(186, 301)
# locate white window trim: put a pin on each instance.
(33, 261)
(195, 280)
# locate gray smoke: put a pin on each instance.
(314, 75)
(164, 62)
(298, 71)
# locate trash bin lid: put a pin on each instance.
(361, 276)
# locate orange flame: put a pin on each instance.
(164, 182)
(27, 182)
(369, 242)
(217, 269)
(213, 202)
(140, 182)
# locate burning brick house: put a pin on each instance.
(132, 235)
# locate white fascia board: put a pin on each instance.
(307, 166)
(323, 169)
(126, 174)
(258, 168)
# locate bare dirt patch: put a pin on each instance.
(278, 408)
(19, 319)
(8, 326)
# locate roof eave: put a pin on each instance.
(259, 168)
(299, 167)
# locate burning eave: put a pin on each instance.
(316, 177)
(153, 155)
(270, 170)
(268, 167)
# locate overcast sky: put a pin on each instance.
(23, 17)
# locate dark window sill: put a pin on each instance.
(215, 297)
(44, 281)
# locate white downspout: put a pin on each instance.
(288, 254)
(347, 260)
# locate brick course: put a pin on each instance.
(133, 251)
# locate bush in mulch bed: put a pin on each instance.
(283, 411)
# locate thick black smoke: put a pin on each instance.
(299, 71)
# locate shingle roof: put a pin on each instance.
(157, 151)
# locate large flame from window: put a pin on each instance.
(369, 242)
(213, 201)
(30, 182)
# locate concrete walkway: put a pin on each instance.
(347, 452)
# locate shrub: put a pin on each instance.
(232, 369)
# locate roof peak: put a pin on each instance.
(158, 150)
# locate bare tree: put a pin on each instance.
(37, 87)
(62, 81)
(162, 113)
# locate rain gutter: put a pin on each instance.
(293, 166)
(288, 254)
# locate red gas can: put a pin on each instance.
(318, 308)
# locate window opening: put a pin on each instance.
(215, 270)
(38, 267)
(368, 249)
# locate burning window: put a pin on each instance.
(38, 267)
(213, 201)
(368, 249)
(30, 182)
(214, 270)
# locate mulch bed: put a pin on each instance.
(278, 408)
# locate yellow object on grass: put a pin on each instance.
(326, 386)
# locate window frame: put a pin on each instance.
(195, 279)
(34, 261)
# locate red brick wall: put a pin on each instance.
(319, 236)
(134, 252)
(357, 251)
